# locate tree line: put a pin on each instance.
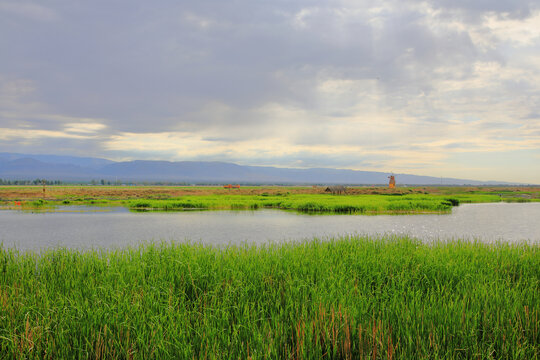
(31, 182)
(91, 182)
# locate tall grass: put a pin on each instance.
(343, 298)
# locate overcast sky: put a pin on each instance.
(444, 87)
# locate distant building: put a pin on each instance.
(336, 189)
(392, 182)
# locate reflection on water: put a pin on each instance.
(91, 227)
(76, 209)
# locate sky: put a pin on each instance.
(442, 88)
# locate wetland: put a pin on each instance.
(85, 227)
(426, 273)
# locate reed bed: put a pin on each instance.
(339, 298)
(308, 203)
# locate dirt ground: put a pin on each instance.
(164, 192)
(134, 192)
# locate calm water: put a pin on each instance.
(80, 228)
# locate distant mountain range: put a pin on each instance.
(70, 168)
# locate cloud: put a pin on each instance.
(354, 84)
(475, 10)
(70, 131)
(84, 128)
(24, 134)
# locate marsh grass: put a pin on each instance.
(359, 200)
(308, 203)
(342, 298)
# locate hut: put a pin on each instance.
(336, 189)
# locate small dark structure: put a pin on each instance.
(336, 189)
(392, 182)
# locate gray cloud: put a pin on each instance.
(474, 10)
(131, 61)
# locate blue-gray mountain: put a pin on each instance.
(71, 168)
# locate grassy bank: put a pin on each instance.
(305, 203)
(343, 298)
(308, 203)
(359, 200)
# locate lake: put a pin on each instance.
(89, 227)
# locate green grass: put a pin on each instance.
(337, 299)
(319, 203)
(379, 201)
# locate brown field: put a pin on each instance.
(155, 192)
(135, 192)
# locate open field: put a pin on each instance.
(388, 298)
(137, 192)
(59, 192)
(363, 200)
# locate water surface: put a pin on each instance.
(83, 228)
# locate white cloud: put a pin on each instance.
(84, 128)
(520, 32)
(27, 134)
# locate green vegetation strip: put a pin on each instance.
(403, 201)
(310, 203)
(334, 299)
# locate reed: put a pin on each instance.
(336, 298)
